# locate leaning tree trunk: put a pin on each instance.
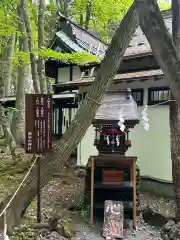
(23, 85)
(62, 151)
(174, 117)
(174, 114)
(167, 55)
(161, 42)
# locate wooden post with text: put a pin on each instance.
(38, 132)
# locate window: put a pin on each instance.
(138, 95)
(158, 95)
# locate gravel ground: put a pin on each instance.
(144, 232)
(59, 189)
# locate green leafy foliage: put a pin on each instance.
(76, 57)
(164, 5)
(9, 26)
(105, 15)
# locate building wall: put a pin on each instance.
(152, 148)
(64, 74)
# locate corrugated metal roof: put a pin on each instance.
(68, 41)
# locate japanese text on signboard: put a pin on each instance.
(38, 123)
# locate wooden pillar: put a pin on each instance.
(92, 193)
(134, 192)
(60, 122)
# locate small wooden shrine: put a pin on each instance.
(111, 175)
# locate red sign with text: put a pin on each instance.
(38, 128)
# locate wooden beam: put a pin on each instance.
(92, 193)
(134, 192)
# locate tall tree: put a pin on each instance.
(33, 58)
(41, 65)
(23, 84)
(102, 16)
(174, 113)
(9, 52)
(77, 129)
(167, 55)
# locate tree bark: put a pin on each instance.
(64, 6)
(81, 19)
(9, 52)
(41, 65)
(174, 114)
(167, 53)
(31, 46)
(61, 152)
(5, 118)
(88, 13)
(5, 121)
(161, 42)
(23, 85)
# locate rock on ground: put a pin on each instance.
(53, 236)
(171, 231)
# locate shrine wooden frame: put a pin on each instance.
(131, 161)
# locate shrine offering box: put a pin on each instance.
(110, 176)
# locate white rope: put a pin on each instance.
(5, 227)
(9, 203)
(149, 106)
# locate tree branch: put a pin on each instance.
(161, 42)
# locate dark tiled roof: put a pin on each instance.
(89, 42)
(139, 43)
(111, 107)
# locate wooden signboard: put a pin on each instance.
(113, 219)
(38, 116)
